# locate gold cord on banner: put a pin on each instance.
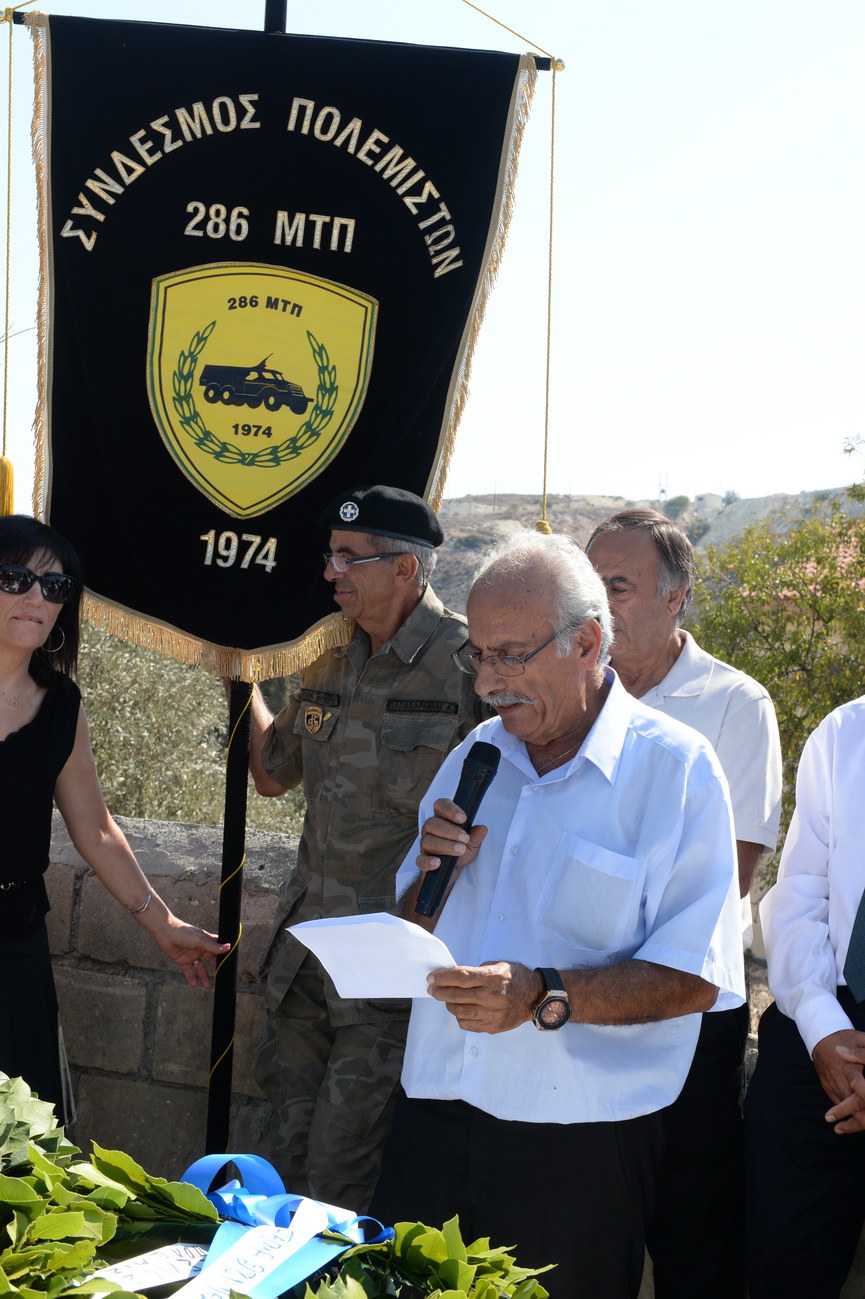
(243, 712)
(556, 65)
(542, 525)
(216, 974)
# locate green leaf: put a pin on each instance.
(430, 1247)
(120, 1167)
(17, 1190)
(60, 1226)
(108, 1197)
(453, 1239)
(177, 1199)
(457, 1274)
(87, 1173)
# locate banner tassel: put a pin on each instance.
(7, 486)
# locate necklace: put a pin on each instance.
(13, 703)
(558, 758)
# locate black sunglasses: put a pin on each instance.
(57, 588)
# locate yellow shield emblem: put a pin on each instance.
(313, 718)
(256, 376)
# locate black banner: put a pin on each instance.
(266, 258)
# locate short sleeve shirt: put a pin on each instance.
(625, 852)
(736, 715)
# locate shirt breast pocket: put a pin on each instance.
(590, 895)
(412, 750)
(316, 725)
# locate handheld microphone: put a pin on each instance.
(477, 774)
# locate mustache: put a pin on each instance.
(504, 698)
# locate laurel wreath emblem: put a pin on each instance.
(183, 380)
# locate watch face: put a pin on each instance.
(554, 1012)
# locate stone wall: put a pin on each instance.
(137, 1036)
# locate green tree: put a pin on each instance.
(675, 507)
(159, 732)
(788, 608)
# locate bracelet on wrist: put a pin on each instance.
(136, 911)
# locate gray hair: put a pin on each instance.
(579, 592)
(675, 553)
(425, 555)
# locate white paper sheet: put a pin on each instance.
(156, 1268)
(377, 955)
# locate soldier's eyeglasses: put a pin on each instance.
(504, 665)
(57, 588)
(341, 564)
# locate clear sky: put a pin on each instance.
(709, 261)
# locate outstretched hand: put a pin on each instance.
(191, 948)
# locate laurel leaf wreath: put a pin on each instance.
(183, 381)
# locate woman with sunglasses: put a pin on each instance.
(45, 757)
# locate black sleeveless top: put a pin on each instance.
(31, 759)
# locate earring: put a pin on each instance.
(59, 647)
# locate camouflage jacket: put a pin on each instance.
(366, 734)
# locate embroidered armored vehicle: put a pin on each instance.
(240, 385)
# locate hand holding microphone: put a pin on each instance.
(477, 774)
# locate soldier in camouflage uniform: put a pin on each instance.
(366, 732)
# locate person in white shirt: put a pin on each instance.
(647, 565)
(805, 1108)
(601, 901)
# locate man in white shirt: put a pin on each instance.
(600, 902)
(805, 1108)
(647, 565)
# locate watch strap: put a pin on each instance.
(552, 979)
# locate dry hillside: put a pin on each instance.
(472, 523)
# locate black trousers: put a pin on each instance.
(578, 1195)
(697, 1234)
(29, 1046)
(805, 1183)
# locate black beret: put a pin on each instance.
(386, 511)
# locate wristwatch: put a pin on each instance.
(553, 1010)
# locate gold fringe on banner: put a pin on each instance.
(273, 661)
(36, 23)
(521, 102)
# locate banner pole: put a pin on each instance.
(275, 15)
(233, 856)
(230, 897)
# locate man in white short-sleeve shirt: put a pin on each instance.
(647, 564)
(590, 909)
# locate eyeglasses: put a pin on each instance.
(57, 588)
(504, 665)
(340, 564)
